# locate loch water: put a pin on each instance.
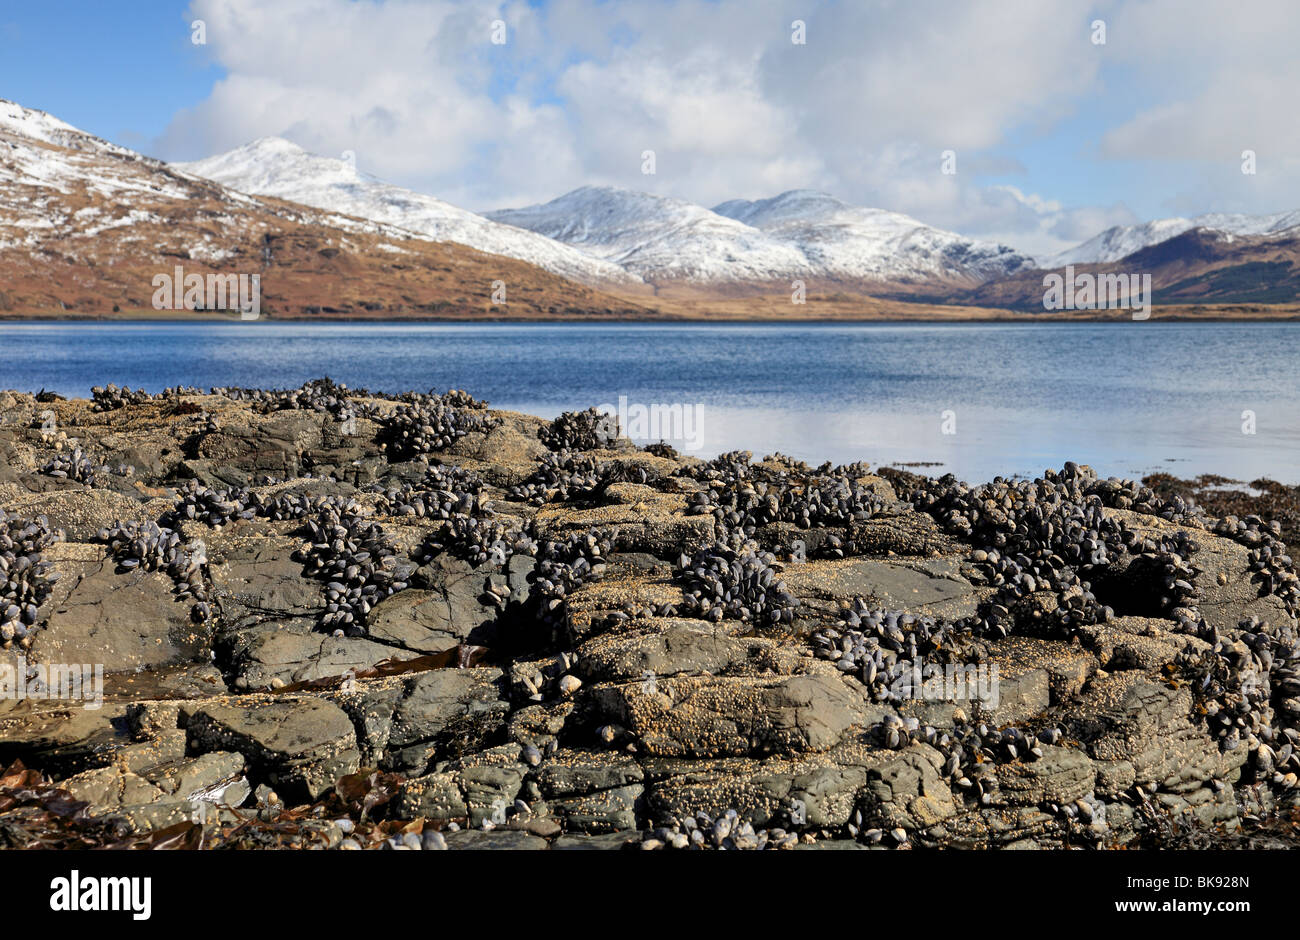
(974, 399)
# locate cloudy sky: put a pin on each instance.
(1056, 136)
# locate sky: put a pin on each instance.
(1053, 133)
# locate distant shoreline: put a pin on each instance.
(931, 316)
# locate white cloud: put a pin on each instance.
(733, 109)
(1222, 80)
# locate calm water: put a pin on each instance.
(1129, 398)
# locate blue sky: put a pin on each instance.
(117, 70)
(1056, 136)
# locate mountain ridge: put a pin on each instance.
(86, 226)
(273, 166)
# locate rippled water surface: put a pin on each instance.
(1129, 398)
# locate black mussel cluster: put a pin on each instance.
(1274, 568)
(428, 424)
(1245, 685)
(971, 752)
(322, 395)
(1129, 494)
(812, 502)
(358, 562)
(1045, 534)
(27, 577)
(78, 466)
(1268, 558)
(580, 430)
(661, 449)
(478, 541)
(1053, 515)
(625, 471)
(729, 832)
(744, 497)
(724, 468)
(110, 397)
(290, 505)
(720, 581)
(884, 648)
(1169, 555)
(563, 565)
(200, 503)
(458, 398)
(1019, 576)
(1053, 534)
(444, 492)
(560, 475)
(216, 508)
(150, 547)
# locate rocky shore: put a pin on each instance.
(325, 618)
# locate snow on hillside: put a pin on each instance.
(844, 241)
(97, 201)
(1120, 241)
(797, 234)
(658, 237)
(275, 167)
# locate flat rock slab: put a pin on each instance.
(1134, 716)
(1061, 775)
(293, 651)
(445, 713)
(59, 737)
(1032, 675)
(1144, 643)
(574, 773)
(259, 576)
(670, 647)
(108, 789)
(712, 716)
(122, 621)
(277, 730)
(933, 587)
(479, 840)
(604, 842)
(302, 743)
(81, 512)
(818, 788)
(444, 613)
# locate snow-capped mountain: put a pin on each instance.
(1120, 241)
(659, 238)
(62, 183)
(87, 226)
(797, 234)
(276, 167)
(847, 242)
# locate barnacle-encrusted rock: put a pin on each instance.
(532, 634)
